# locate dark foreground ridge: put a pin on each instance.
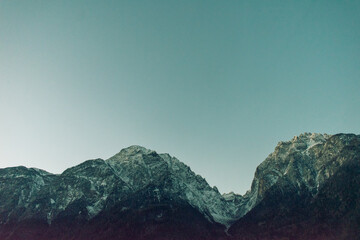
(308, 188)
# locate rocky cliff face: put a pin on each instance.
(308, 187)
(297, 161)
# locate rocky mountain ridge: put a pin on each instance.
(148, 189)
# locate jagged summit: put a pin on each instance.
(131, 153)
(135, 149)
(305, 140)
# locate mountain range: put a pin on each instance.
(308, 188)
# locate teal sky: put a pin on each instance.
(215, 83)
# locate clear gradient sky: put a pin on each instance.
(215, 83)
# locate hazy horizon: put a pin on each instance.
(215, 84)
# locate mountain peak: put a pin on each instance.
(301, 143)
(135, 149)
(132, 153)
(311, 138)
